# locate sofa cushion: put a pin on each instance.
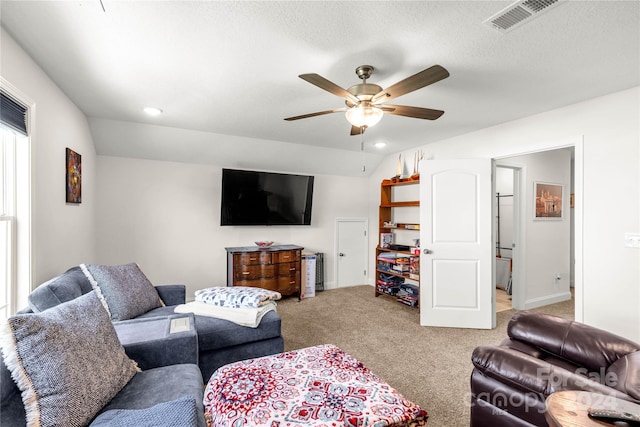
(237, 296)
(151, 342)
(11, 407)
(216, 334)
(67, 361)
(153, 386)
(65, 287)
(172, 294)
(167, 310)
(179, 412)
(123, 289)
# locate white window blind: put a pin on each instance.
(12, 113)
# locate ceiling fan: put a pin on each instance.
(365, 101)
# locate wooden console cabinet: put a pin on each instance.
(277, 268)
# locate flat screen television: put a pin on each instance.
(265, 198)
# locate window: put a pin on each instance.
(7, 223)
(15, 259)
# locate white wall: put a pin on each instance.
(608, 128)
(63, 234)
(166, 217)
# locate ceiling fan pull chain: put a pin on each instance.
(364, 168)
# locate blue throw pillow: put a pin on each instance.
(123, 289)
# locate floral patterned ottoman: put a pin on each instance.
(315, 386)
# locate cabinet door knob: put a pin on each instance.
(427, 251)
(340, 254)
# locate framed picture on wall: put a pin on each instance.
(73, 176)
(547, 200)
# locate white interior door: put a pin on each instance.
(351, 251)
(456, 241)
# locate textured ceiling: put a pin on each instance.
(225, 73)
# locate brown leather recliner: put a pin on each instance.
(542, 355)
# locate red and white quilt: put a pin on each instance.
(315, 386)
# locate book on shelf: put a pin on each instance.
(400, 268)
(395, 258)
(386, 239)
(415, 266)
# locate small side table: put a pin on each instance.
(569, 409)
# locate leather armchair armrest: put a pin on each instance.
(625, 373)
(532, 375)
(580, 344)
(172, 294)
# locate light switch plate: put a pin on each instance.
(632, 240)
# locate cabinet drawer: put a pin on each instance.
(252, 258)
(288, 268)
(251, 272)
(286, 256)
(270, 284)
(289, 285)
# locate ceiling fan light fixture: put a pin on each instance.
(364, 114)
(152, 111)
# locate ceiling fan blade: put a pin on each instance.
(415, 112)
(319, 113)
(355, 130)
(325, 84)
(423, 78)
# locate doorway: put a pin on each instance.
(536, 259)
(351, 251)
(504, 225)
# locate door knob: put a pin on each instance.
(426, 251)
(340, 254)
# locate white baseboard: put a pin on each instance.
(546, 300)
(330, 285)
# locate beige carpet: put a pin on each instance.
(429, 366)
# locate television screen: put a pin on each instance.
(265, 198)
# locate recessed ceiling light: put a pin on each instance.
(380, 144)
(152, 111)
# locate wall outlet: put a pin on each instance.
(632, 240)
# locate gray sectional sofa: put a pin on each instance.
(174, 364)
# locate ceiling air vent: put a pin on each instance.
(520, 13)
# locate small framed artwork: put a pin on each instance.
(74, 176)
(547, 200)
